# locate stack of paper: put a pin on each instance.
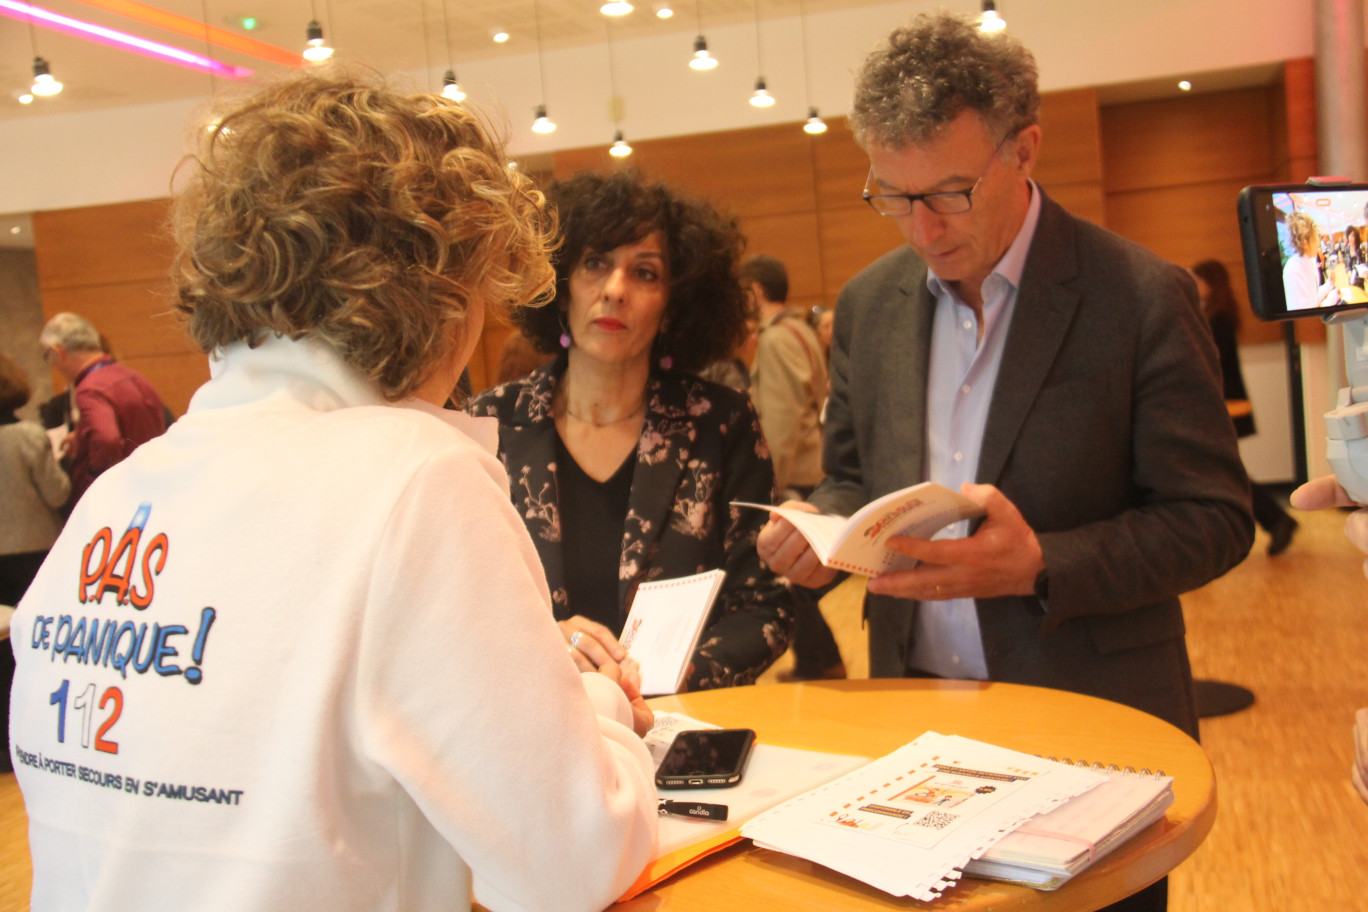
(909, 822)
(1048, 850)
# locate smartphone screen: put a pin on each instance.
(706, 759)
(1305, 248)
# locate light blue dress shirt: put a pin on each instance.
(960, 381)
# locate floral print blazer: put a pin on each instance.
(700, 449)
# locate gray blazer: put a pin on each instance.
(1107, 430)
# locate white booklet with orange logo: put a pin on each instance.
(663, 627)
(859, 544)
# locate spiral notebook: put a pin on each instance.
(1048, 850)
(664, 625)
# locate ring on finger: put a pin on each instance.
(575, 639)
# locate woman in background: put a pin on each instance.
(1223, 314)
(33, 488)
(623, 465)
(305, 699)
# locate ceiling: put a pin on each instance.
(388, 35)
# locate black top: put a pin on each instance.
(593, 514)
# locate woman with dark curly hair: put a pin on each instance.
(624, 465)
(280, 610)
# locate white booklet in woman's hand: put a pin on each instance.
(664, 625)
(860, 544)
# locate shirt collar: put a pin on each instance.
(311, 374)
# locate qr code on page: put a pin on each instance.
(937, 820)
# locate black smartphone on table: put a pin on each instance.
(1305, 248)
(707, 758)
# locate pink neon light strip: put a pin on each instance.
(91, 32)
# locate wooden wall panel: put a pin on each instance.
(795, 239)
(1071, 139)
(1087, 201)
(175, 376)
(1181, 141)
(135, 317)
(1298, 103)
(98, 245)
(1174, 168)
(852, 238)
(764, 171)
(840, 168)
(1181, 224)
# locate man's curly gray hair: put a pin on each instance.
(931, 71)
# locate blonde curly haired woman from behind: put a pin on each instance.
(317, 635)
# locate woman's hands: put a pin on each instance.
(591, 644)
(594, 648)
(628, 677)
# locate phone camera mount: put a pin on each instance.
(1346, 425)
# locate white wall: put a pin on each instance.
(1267, 454)
(128, 154)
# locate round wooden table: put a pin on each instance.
(874, 717)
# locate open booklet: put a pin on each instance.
(860, 544)
(663, 627)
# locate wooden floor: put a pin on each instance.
(1291, 834)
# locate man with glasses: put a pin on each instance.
(1062, 374)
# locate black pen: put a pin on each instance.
(695, 809)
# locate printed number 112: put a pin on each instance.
(84, 703)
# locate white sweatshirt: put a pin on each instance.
(298, 654)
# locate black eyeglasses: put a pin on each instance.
(943, 202)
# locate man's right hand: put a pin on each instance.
(787, 552)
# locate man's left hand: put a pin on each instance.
(1002, 558)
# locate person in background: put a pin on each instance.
(1223, 315)
(624, 466)
(1354, 254)
(733, 369)
(789, 388)
(33, 488)
(1302, 271)
(789, 379)
(115, 409)
(285, 603)
(1060, 376)
(822, 320)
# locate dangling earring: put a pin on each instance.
(666, 362)
(565, 339)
